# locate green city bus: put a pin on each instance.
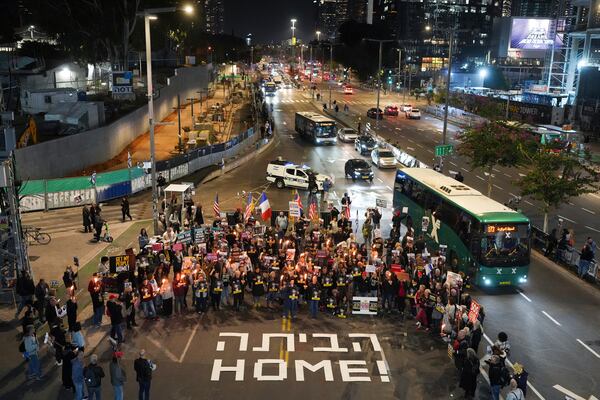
(489, 241)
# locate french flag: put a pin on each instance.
(265, 207)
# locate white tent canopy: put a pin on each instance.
(179, 187)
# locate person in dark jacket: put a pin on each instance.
(92, 375)
(495, 372)
(25, 290)
(468, 375)
(72, 312)
(41, 297)
(87, 219)
(115, 312)
(476, 335)
(69, 277)
(125, 208)
(117, 377)
(143, 370)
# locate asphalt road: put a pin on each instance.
(553, 324)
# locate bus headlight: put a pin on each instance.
(523, 279)
(486, 281)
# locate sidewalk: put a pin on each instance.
(166, 136)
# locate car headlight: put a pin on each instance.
(356, 173)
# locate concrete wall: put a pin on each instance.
(68, 155)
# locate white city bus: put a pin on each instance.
(315, 127)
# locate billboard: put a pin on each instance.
(533, 34)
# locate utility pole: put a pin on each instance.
(378, 75)
(330, 70)
(151, 123)
(399, 65)
(450, 46)
(191, 99)
(178, 108)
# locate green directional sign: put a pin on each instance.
(443, 150)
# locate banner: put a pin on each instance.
(364, 305)
(474, 311)
(118, 264)
(184, 237)
(294, 209)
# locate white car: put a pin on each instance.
(415, 113)
(347, 135)
(287, 174)
(383, 158)
(405, 107)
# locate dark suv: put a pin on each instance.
(364, 144)
(357, 168)
(374, 112)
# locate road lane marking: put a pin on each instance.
(588, 348)
(571, 204)
(453, 163)
(528, 202)
(570, 394)
(507, 175)
(410, 140)
(570, 220)
(595, 195)
(163, 348)
(497, 187)
(429, 150)
(522, 175)
(590, 211)
(480, 177)
(550, 318)
(380, 180)
(398, 129)
(410, 148)
(464, 169)
(187, 346)
(388, 187)
(512, 194)
(533, 389)
(420, 145)
(592, 229)
(495, 170)
(526, 298)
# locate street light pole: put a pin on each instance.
(330, 70)
(147, 18)
(378, 75)
(399, 65)
(450, 46)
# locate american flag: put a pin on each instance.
(249, 207)
(312, 208)
(297, 200)
(216, 207)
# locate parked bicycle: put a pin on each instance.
(34, 234)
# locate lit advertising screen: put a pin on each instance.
(532, 34)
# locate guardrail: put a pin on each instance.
(567, 257)
(71, 192)
(456, 116)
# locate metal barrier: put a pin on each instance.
(73, 192)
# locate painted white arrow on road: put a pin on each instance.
(572, 395)
(410, 148)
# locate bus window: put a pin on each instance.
(502, 242)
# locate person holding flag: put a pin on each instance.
(346, 205)
(265, 207)
(313, 213)
(299, 202)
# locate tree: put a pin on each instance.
(495, 143)
(553, 178)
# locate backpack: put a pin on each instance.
(91, 378)
(22, 347)
(504, 377)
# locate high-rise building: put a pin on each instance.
(423, 28)
(214, 16)
(532, 8)
(331, 14)
(358, 10)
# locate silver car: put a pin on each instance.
(347, 135)
(383, 158)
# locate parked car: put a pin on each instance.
(357, 168)
(364, 144)
(391, 110)
(347, 135)
(413, 114)
(374, 113)
(405, 107)
(383, 158)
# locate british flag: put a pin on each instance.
(347, 211)
(298, 201)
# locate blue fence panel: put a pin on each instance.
(113, 191)
(217, 148)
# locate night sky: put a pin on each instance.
(269, 20)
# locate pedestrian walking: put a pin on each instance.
(93, 374)
(32, 348)
(143, 370)
(117, 377)
(125, 208)
(87, 219)
(26, 290)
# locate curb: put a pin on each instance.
(238, 162)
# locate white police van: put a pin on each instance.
(287, 174)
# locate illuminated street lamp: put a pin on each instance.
(150, 15)
(318, 35)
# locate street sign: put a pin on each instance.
(381, 203)
(443, 150)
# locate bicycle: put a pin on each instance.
(34, 234)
